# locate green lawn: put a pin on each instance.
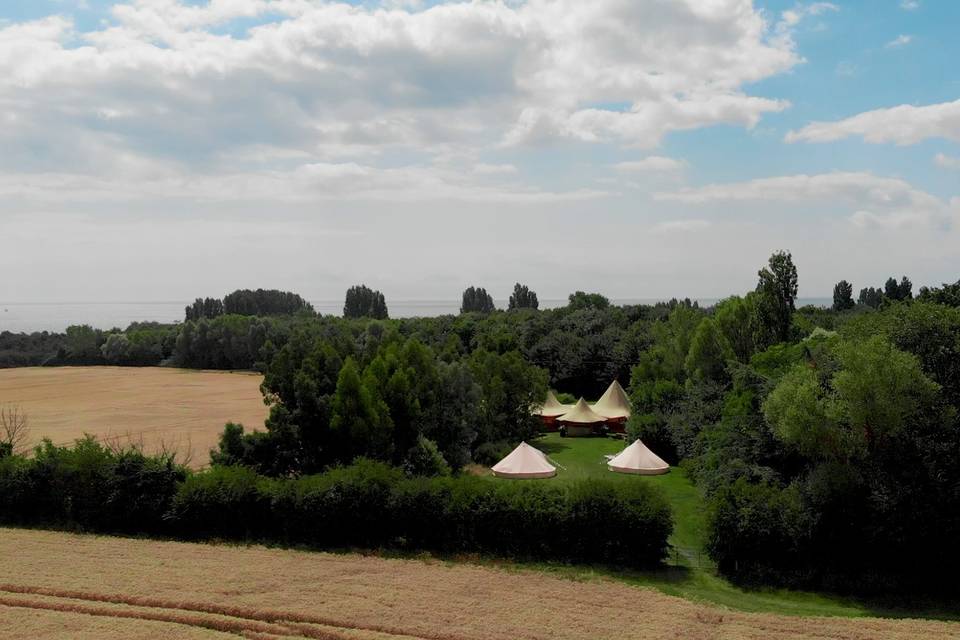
(693, 576)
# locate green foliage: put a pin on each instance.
(372, 505)
(523, 298)
(948, 294)
(898, 291)
(777, 293)
(870, 297)
(737, 318)
(580, 300)
(477, 300)
(363, 302)
(360, 425)
(204, 308)
(511, 387)
(708, 354)
(843, 296)
(88, 486)
(425, 459)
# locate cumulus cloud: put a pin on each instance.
(902, 125)
(874, 200)
(170, 79)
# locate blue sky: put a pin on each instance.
(643, 149)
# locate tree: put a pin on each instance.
(709, 351)
(523, 298)
(204, 308)
(581, 300)
(116, 349)
(948, 294)
(843, 296)
(737, 318)
(870, 297)
(363, 302)
(14, 429)
(898, 291)
(777, 289)
(477, 300)
(361, 425)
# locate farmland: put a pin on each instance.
(176, 408)
(102, 587)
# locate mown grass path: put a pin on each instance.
(692, 575)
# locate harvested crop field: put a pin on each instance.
(56, 585)
(181, 409)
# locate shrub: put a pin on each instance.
(366, 505)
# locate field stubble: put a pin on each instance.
(102, 587)
(176, 409)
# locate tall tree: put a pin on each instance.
(523, 298)
(870, 297)
(843, 296)
(581, 300)
(361, 424)
(476, 299)
(363, 302)
(777, 287)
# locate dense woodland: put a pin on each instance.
(826, 441)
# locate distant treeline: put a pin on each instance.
(246, 302)
(90, 487)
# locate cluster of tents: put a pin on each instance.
(529, 462)
(609, 413)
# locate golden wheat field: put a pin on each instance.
(56, 585)
(177, 408)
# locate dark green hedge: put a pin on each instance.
(373, 505)
(366, 505)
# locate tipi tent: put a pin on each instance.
(637, 458)
(581, 414)
(552, 407)
(613, 404)
(524, 462)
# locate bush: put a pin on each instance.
(373, 505)
(366, 505)
(88, 487)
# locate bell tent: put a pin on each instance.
(637, 458)
(614, 403)
(524, 462)
(581, 420)
(552, 408)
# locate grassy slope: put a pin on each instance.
(583, 458)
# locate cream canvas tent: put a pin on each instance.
(613, 404)
(581, 414)
(552, 407)
(524, 462)
(638, 459)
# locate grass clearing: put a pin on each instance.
(112, 588)
(694, 577)
(181, 409)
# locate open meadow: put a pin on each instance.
(54, 585)
(180, 409)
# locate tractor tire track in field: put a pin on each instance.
(249, 623)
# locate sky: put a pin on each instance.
(165, 149)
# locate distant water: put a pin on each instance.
(57, 316)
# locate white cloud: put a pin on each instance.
(902, 125)
(909, 5)
(650, 164)
(871, 199)
(901, 40)
(329, 78)
(947, 162)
